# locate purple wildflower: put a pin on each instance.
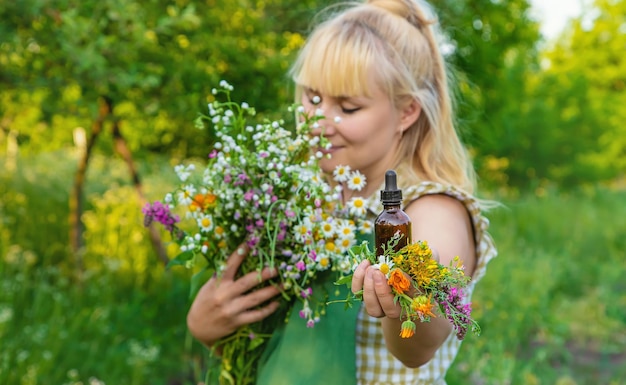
(159, 212)
(241, 179)
(248, 195)
(306, 293)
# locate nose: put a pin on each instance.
(324, 124)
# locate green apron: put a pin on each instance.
(323, 354)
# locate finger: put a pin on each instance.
(385, 295)
(370, 299)
(256, 315)
(252, 279)
(359, 275)
(234, 261)
(255, 298)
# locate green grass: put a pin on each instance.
(552, 306)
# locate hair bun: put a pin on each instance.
(406, 9)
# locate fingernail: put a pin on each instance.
(241, 251)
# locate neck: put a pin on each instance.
(371, 187)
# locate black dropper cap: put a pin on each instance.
(391, 195)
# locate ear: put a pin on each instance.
(409, 114)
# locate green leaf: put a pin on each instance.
(345, 280)
(226, 375)
(255, 343)
(180, 259)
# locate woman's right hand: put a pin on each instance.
(224, 303)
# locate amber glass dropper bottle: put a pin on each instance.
(392, 219)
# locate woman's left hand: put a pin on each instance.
(377, 295)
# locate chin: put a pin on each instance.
(328, 165)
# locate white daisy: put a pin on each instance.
(323, 262)
(356, 181)
(302, 232)
(341, 173)
(366, 227)
(328, 229)
(185, 197)
(344, 244)
(346, 230)
(384, 265)
(205, 222)
(356, 205)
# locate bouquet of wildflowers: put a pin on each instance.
(261, 185)
(422, 286)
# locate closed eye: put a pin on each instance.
(350, 110)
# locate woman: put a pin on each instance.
(376, 72)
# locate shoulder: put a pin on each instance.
(439, 212)
(437, 204)
(445, 222)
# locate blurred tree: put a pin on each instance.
(148, 65)
(143, 69)
(585, 82)
(492, 49)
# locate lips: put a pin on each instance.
(331, 150)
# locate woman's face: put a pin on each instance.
(365, 132)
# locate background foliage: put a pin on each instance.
(127, 77)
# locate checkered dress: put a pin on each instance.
(375, 365)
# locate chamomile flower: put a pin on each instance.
(346, 229)
(323, 262)
(341, 173)
(366, 227)
(344, 244)
(356, 181)
(328, 229)
(356, 206)
(185, 197)
(302, 232)
(205, 223)
(385, 263)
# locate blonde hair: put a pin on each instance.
(395, 41)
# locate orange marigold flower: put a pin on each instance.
(423, 305)
(408, 329)
(203, 201)
(398, 281)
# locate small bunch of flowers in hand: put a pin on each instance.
(261, 185)
(423, 287)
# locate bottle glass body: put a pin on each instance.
(389, 222)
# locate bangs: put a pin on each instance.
(339, 60)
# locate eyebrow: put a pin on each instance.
(340, 98)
